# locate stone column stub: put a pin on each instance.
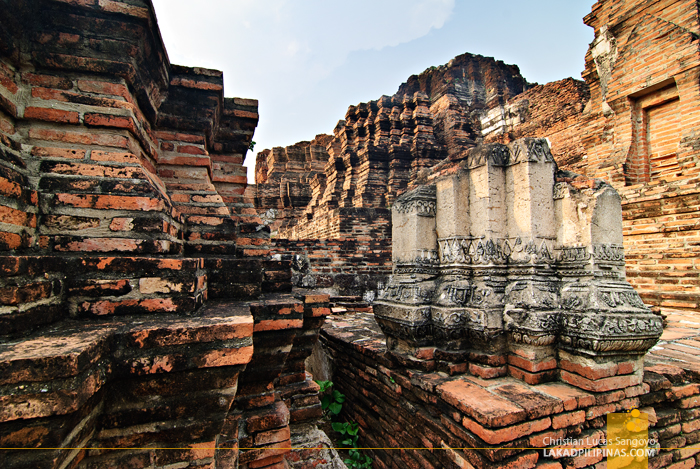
(501, 267)
(415, 260)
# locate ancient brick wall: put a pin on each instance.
(345, 266)
(551, 111)
(639, 131)
(286, 180)
(424, 419)
(344, 222)
(125, 154)
(379, 148)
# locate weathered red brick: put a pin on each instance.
(278, 324)
(101, 202)
(191, 149)
(109, 120)
(568, 419)
(603, 384)
(47, 81)
(480, 404)
(53, 152)
(275, 417)
(25, 294)
(52, 115)
(84, 138)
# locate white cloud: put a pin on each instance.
(288, 44)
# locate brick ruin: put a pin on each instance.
(640, 134)
(380, 147)
(374, 154)
(508, 326)
(127, 251)
(630, 122)
(147, 317)
(287, 179)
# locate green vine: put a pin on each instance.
(350, 430)
(331, 400)
(332, 403)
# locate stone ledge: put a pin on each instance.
(66, 365)
(163, 381)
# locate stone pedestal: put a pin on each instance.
(501, 267)
(404, 311)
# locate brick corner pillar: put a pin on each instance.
(300, 392)
(259, 419)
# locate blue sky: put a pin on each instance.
(306, 61)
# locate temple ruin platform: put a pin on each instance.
(429, 419)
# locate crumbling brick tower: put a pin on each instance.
(328, 201)
(379, 148)
(286, 179)
(121, 215)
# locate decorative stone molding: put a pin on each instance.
(482, 251)
(422, 201)
(496, 262)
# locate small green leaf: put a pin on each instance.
(346, 442)
(324, 385)
(338, 396)
(339, 427)
(335, 407)
(326, 402)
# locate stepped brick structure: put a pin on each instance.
(126, 247)
(376, 151)
(470, 100)
(286, 179)
(145, 313)
(381, 146)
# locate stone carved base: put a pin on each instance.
(601, 295)
(409, 326)
(501, 268)
(532, 344)
(609, 334)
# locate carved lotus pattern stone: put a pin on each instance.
(497, 254)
